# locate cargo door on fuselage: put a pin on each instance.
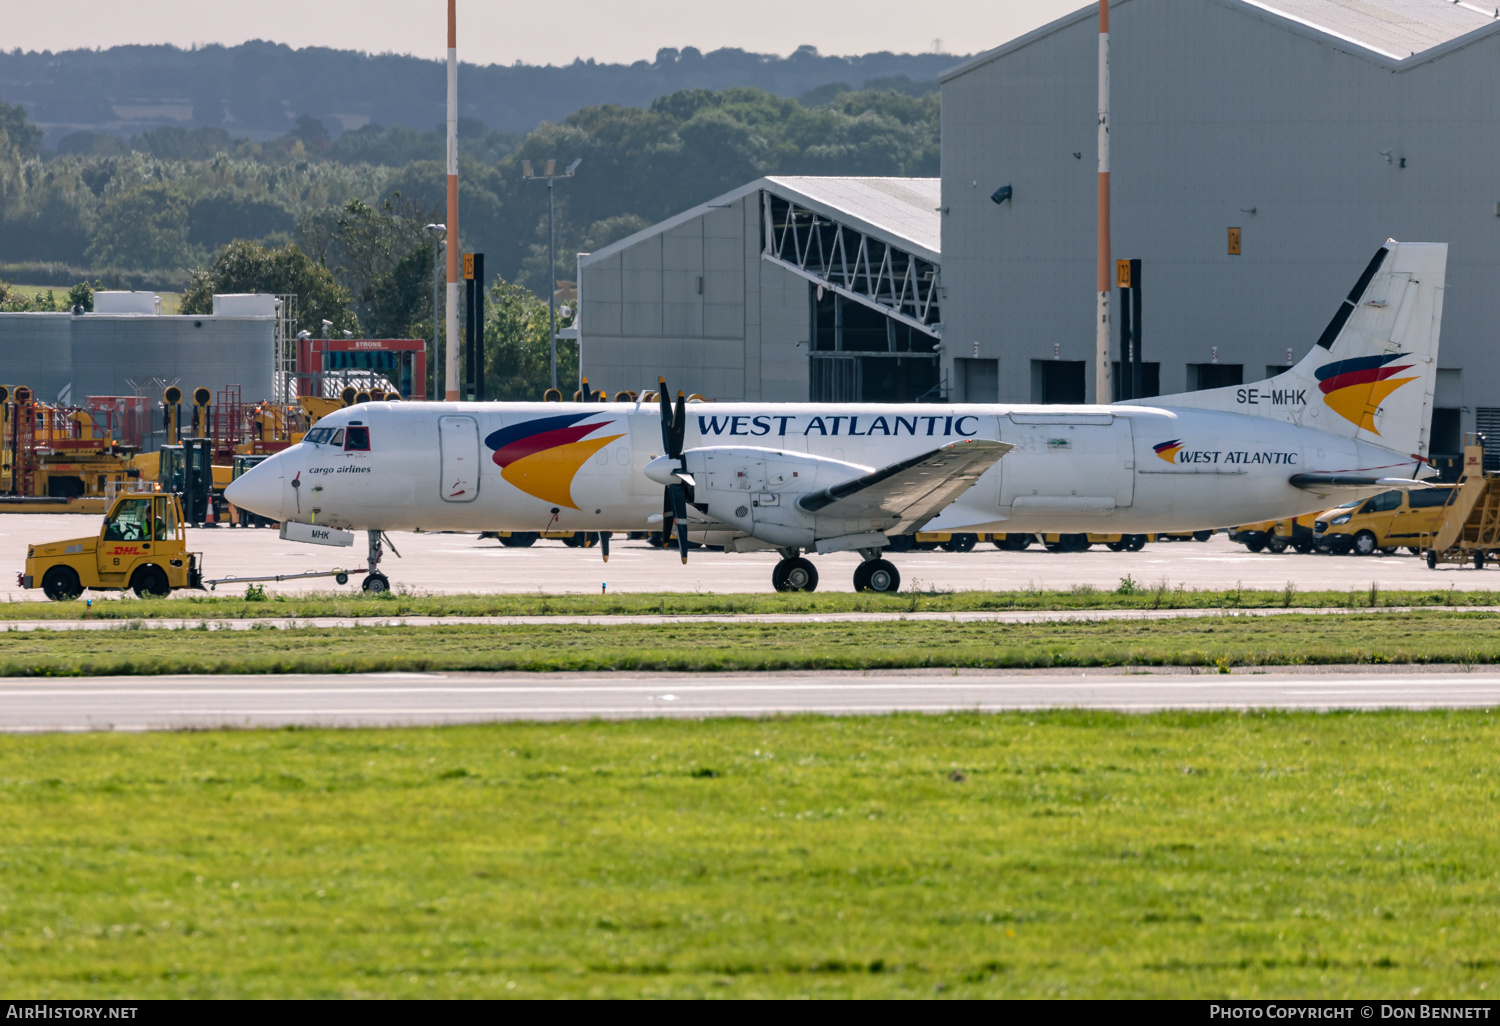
(458, 446)
(1067, 464)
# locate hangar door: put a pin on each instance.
(458, 444)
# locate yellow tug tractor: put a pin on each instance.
(142, 546)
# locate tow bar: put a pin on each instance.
(339, 576)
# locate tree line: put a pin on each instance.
(341, 223)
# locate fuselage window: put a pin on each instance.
(357, 440)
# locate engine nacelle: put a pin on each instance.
(755, 491)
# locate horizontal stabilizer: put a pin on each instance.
(914, 490)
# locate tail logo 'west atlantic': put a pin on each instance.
(1354, 389)
(541, 457)
(1168, 450)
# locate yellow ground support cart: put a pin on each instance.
(142, 546)
(1470, 528)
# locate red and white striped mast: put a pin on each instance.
(451, 377)
(1103, 390)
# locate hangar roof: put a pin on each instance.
(901, 211)
(1397, 33)
(1394, 28)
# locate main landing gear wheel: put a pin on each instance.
(795, 575)
(376, 584)
(60, 584)
(877, 575)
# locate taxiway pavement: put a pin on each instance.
(415, 699)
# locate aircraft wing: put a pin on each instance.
(914, 490)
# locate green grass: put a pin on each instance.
(1064, 854)
(357, 604)
(1418, 637)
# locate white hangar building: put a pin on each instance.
(1315, 128)
(784, 289)
(1318, 128)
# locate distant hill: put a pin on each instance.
(258, 90)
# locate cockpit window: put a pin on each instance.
(319, 436)
(357, 439)
(338, 437)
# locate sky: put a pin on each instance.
(491, 32)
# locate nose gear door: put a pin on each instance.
(458, 443)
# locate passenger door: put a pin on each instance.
(458, 445)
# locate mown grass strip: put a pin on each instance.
(1027, 855)
(1131, 595)
(1223, 642)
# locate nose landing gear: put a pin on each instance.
(377, 583)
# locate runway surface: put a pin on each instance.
(413, 699)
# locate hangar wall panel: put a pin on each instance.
(36, 351)
(602, 306)
(1220, 119)
(641, 289)
(108, 351)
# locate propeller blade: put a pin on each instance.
(666, 417)
(679, 427)
(584, 394)
(668, 517)
(686, 479)
(679, 512)
(604, 544)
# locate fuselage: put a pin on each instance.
(579, 467)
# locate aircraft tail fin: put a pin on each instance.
(1372, 372)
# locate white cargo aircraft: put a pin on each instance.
(1350, 419)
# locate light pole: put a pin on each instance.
(437, 292)
(549, 176)
(323, 358)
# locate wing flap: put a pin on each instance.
(913, 490)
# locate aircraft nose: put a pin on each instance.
(258, 490)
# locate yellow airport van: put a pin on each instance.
(1384, 522)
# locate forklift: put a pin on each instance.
(186, 471)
